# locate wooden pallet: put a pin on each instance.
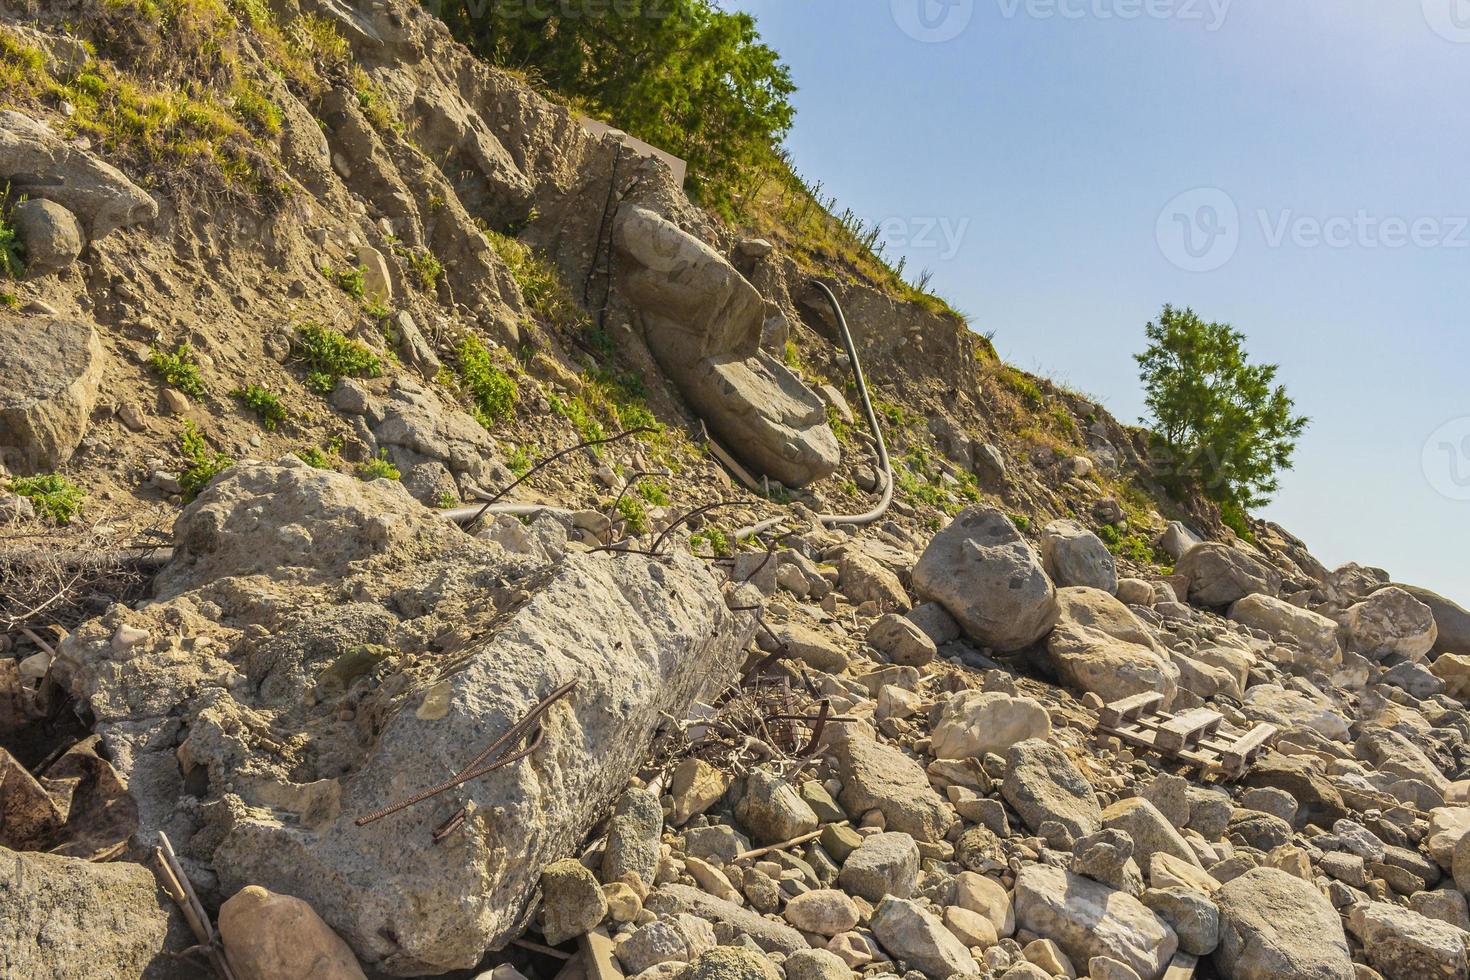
(1198, 736)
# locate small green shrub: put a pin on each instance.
(378, 469)
(1022, 522)
(52, 495)
(352, 281)
(427, 270)
(178, 369)
(266, 405)
(329, 356)
(634, 514)
(9, 300)
(716, 540)
(1133, 546)
(541, 287)
(519, 461)
(203, 464)
(313, 456)
(653, 492)
(12, 253)
(493, 390)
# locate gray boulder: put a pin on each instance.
(52, 369)
(1042, 784)
(65, 917)
(771, 809)
(918, 938)
(884, 864)
(1391, 622)
(702, 321)
(1088, 919)
(50, 234)
(878, 776)
(1073, 555)
(1273, 925)
(1452, 621)
(1404, 945)
(36, 162)
(988, 578)
(1219, 575)
(1311, 633)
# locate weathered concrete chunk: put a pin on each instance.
(989, 579)
(1404, 945)
(404, 647)
(703, 321)
(52, 369)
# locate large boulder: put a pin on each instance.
(1150, 831)
(878, 776)
(1073, 555)
(1390, 622)
(1042, 784)
(1285, 707)
(1312, 633)
(1091, 660)
(36, 162)
(65, 917)
(1404, 945)
(1219, 575)
(988, 578)
(52, 369)
(1452, 621)
(1317, 800)
(1088, 919)
(973, 723)
(702, 321)
(305, 601)
(1274, 925)
(50, 234)
(917, 937)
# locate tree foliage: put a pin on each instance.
(680, 74)
(1226, 426)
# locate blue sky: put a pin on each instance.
(1294, 168)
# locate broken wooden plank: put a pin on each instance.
(1240, 755)
(1186, 729)
(1181, 967)
(1129, 708)
(599, 956)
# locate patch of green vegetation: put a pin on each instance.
(519, 461)
(12, 252)
(254, 108)
(352, 280)
(203, 464)
(266, 405)
(329, 356)
(1233, 516)
(146, 119)
(1022, 387)
(1131, 545)
(178, 369)
(1022, 522)
(313, 456)
(716, 540)
(378, 468)
(897, 415)
(374, 103)
(447, 500)
(634, 513)
(792, 356)
(53, 496)
(654, 492)
(425, 268)
(541, 287)
(490, 386)
(608, 403)
(9, 300)
(840, 428)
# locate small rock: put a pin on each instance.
(885, 864)
(917, 937)
(280, 937)
(825, 912)
(772, 810)
(572, 901)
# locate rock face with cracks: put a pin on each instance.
(358, 650)
(52, 368)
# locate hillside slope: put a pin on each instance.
(299, 281)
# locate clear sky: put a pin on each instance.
(1293, 167)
